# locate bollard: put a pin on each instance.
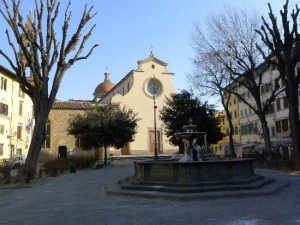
(73, 168)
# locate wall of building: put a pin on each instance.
(277, 118)
(59, 121)
(16, 121)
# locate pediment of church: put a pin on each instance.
(151, 58)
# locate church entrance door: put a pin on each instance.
(152, 139)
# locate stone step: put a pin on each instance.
(256, 184)
(267, 189)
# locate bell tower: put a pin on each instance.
(29, 30)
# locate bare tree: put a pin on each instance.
(232, 39)
(284, 45)
(37, 47)
(210, 78)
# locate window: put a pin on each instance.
(20, 108)
(235, 114)
(278, 126)
(47, 133)
(19, 132)
(3, 84)
(1, 129)
(282, 125)
(268, 87)
(123, 90)
(272, 131)
(1, 149)
(241, 112)
(249, 128)
(278, 106)
(3, 109)
(236, 131)
(285, 125)
(128, 85)
(246, 112)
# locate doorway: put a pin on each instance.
(152, 141)
(62, 152)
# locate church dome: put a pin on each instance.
(104, 87)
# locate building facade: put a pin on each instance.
(58, 142)
(144, 91)
(277, 117)
(16, 117)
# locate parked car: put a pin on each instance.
(19, 160)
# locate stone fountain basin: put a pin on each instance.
(201, 171)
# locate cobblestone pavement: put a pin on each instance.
(80, 199)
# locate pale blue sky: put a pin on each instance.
(127, 28)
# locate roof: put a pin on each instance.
(7, 72)
(72, 104)
(104, 87)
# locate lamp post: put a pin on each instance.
(155, 145)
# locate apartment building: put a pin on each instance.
(16, 116)
(277, 117)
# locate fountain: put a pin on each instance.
(191, 176)
(189, 136)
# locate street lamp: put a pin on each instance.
(155, 145)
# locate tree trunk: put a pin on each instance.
(38, 138)
(265, 129)
(292, 94)
(105, 155)
(231, 141)
(41, 113)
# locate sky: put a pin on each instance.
(126, 30)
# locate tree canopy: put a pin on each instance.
(226, 57)
(181, 109)
(36, 44)
(105, 126)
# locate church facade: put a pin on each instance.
(136, 90)
(144, 91)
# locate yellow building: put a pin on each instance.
(136, 91)
(16, 116)
(233, 107)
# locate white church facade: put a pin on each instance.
(137, 91)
